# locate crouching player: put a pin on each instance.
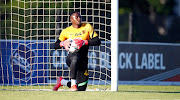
(84, 36)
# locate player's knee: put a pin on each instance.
(75, 60)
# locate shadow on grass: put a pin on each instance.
(149, 91)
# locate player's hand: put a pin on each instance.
(65, 44)
(80, 42)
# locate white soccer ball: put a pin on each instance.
(73, 47)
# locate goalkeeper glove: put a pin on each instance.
(65, 44)
(80, 42)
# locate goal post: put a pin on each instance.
(114, 44)
(29, 29)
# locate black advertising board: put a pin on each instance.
(153, 62)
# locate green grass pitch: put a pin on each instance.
(125, 92)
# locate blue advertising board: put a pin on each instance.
(37, 62)
(22, 61)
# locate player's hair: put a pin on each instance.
(74, 12)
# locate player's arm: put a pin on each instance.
(93, 36)
(62, 42)
(57, 44)
(95, 41)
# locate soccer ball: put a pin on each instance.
(73, 47)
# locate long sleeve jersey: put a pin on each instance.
(86, 32)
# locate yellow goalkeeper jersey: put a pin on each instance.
(86, 32)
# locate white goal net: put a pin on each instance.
(28, 30)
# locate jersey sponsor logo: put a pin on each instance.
(21, 61)
(80, 33)
(77, 34)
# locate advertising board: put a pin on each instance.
(23, 62)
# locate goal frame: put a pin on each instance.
(43, 26)
(114, 44)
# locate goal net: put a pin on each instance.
(28, 30)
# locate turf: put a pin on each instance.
(125, 92)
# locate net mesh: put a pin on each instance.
(28, 30)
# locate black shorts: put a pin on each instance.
(82, 70)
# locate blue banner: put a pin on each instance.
(37, 62)
(22, 61)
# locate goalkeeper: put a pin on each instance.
(84, 36)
